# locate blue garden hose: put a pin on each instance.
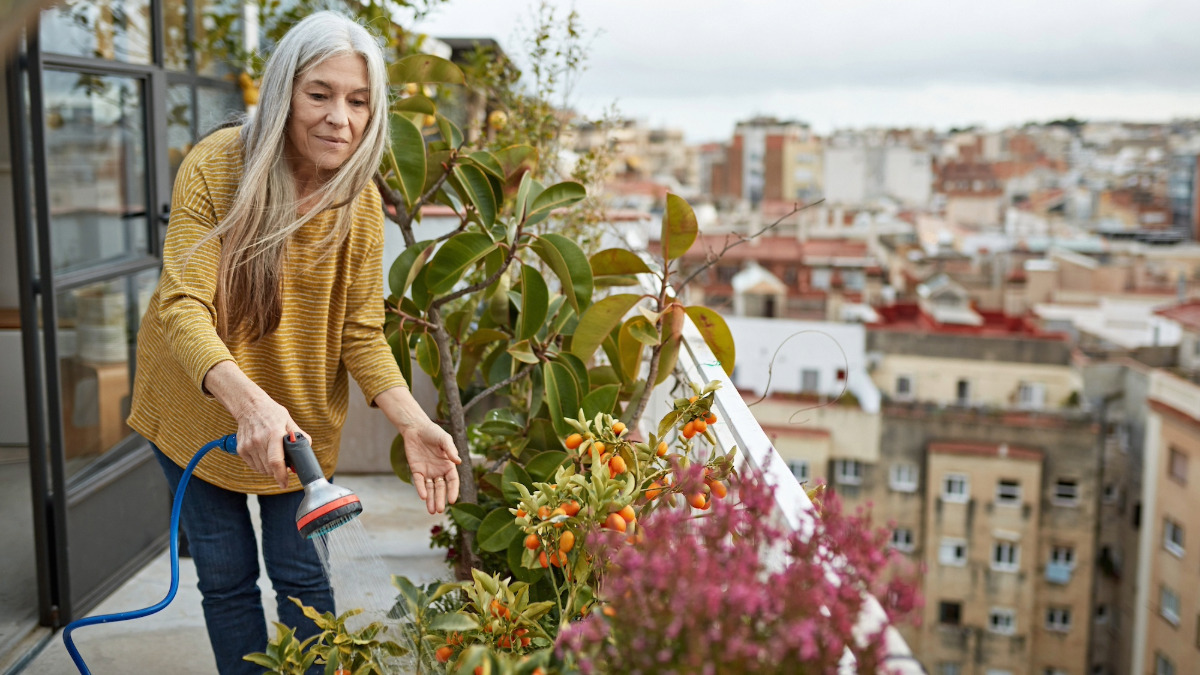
(227, 443)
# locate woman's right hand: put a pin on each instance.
(262, 423)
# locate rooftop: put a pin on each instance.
(909, 317)
(1186, 314)
(997, 450)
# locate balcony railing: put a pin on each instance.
(793, 506)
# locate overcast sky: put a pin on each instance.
(701, 65)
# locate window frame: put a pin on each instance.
(1057, 497)
(1010, 616)
(943, 606)
(910, 383)
(953, 545)
(907, 546)
(1013, 550)
(1170, 543)
(1168, 604)
(1175, 472)
(1070, 555)
(954, 497)
(840, 477)
(1058, 619)
(793, 464)
(1008, 500)
(895, 481)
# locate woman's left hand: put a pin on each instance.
(433, 460)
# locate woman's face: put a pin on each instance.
(330, 109)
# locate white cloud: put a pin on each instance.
(702, 64)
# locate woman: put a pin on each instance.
(271, 290)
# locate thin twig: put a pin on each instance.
(499, 385)
(512, 253)
(405, 317)
(771, 367)
(712, 259)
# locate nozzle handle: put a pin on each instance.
(300, 455)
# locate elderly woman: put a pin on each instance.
(271, 290)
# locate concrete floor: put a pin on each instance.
(174, 640)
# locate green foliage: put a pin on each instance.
(336, 646)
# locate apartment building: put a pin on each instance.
(767, 160)
(1001, 511)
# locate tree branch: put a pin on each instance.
(405, 317)
(524, 372)
(512, 253)
(714, 259)
(393, 198)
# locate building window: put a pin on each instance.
(954, 488)
(902, 540)
(1002, 621)
(1173, 537)
(848, 471)
(1008, 492)
(1062, 555)
(962, 392)
(953, 552)
(1102, 613)
(1031, 396)
(949, 668)
(950, 613)
(903, 477)
(1006, 556)
(1168, 604)
(821, 278)
(1066, 492)
(810, 379)
(904, 387)
(799, 469)
(853, 280)
(1058, 619)
(1177, 467)
(1163, 665)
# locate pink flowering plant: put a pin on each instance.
(732, 592)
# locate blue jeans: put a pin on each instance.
(223, 546)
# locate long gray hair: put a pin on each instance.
(264, 213)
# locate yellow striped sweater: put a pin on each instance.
(332, 322)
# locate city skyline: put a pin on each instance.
(932, 65)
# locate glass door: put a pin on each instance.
(107, 105)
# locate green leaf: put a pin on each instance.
(468, 516)
(400, 460)
(450, 132)
(629, 349)
(542, 435)
(454, 258)
(679, 227)
(556, 196)
(408, 149)
(716, 335)
(427, 355)
(501, 421)
(479, 192)
(523, 352)
(542, 467)
(643, 331)
(485, 336)
(601, 400)
(453, 621)
(399, 344)
(513, 473)
(406, 267)
(617, 261)
(516, 158)
(535, 302)
(598, 321)
(417, 103)
(560, 395)
(488, 162)
(424, 68)
(667, 422)
(570, 265)
(578, 369)
(497, 530)
(500, 368)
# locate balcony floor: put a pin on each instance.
(174, 640)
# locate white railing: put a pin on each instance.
(754, 448)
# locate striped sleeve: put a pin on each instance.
(188, 283)
(365, 350)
